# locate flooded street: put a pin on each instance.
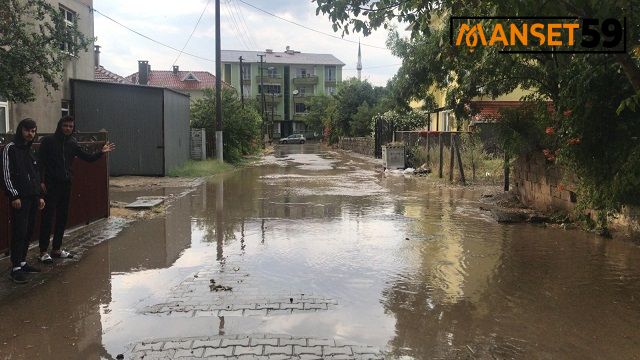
(316, 254)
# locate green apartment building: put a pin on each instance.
(288, 79)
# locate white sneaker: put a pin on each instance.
(45, 258)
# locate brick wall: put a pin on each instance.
(361, 145)
(543, 185)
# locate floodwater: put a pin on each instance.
(414, 270)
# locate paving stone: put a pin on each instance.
(278, 350)
(280, 357)
(291, 306)
(218, 351)
(263, 341)
(321, 342)
(208, 313)
(313, 350)
(234, 342)
(331, 350)
(230, 313)
(278, 312)
(189, 353)
(365, 350)
(177, 344)
(293, 341)
(248, 350)
(310, 357)
(212, 343)
(159, 355)
(314, 306)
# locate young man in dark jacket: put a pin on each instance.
(22, 185)
(56, 156)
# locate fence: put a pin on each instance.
(89, 194)
(198, 144)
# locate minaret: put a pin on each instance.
(359, 67)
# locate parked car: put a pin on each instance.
(293, 139)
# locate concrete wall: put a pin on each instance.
(46, 109)
(542, 185)
(360, 145)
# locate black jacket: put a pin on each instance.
(20, 174)
(56, 156)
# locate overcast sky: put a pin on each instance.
(243, 28)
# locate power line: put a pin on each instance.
(151, 39)
(194, 30)
(236, 27)
(244, 23)
(308, 28)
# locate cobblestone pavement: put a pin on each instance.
(227, 291)
(257, 346)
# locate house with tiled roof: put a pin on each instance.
(192, 82)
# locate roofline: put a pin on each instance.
(134, 85)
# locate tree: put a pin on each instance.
(241, 126)
(352, 93)
(31, 36)
(585, 132)
(321, 113)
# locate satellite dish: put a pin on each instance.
(295, 92)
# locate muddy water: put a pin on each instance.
(415, 270)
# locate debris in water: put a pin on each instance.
(291, 300)
(213, 287)
(120, 357)
(236, 269)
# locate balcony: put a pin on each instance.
(276, 79)
(269, 98)
(330, 82)
(303, 96)
(305, 80)
(299, 116)
(276, 116)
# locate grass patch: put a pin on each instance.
(194, 168)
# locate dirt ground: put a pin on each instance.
(138, 183)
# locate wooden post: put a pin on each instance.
(506, 171)
(457, 146)
(428, 156)
(441, 154)
(452, 157)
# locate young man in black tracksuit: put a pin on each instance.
(22, 185)
(56, 156)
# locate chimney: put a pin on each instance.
(175, 69)
(269, 51)
(96, 55)
(289, 50)
(143, 72)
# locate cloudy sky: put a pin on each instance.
(171, 22)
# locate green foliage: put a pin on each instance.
(584, 110)
(241, 126)
(321, 113)
(362, 124)
(194, 168)
(352, 94)
(31, 34)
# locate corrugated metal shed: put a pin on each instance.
(149, 125)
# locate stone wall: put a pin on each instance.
(361, 145)
(543, 185)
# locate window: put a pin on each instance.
(331, 90)
(269, 89)
(227, 73)
(301, 108)
(65, 108)
(302, 72)
(246, 71)
(330, 73)
(272, 72)
(4, 115)
(246, 90)
(69, 19)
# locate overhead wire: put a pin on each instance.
(244, 23)
(149, 38)
(308, 28)
(237, 29)
(192, 32)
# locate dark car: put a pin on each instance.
(293, 139)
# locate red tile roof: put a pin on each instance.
(105, 75)
(205, 80)
(490, 110)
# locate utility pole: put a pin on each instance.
(262, 102)
(218, 87)
(241, 83)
